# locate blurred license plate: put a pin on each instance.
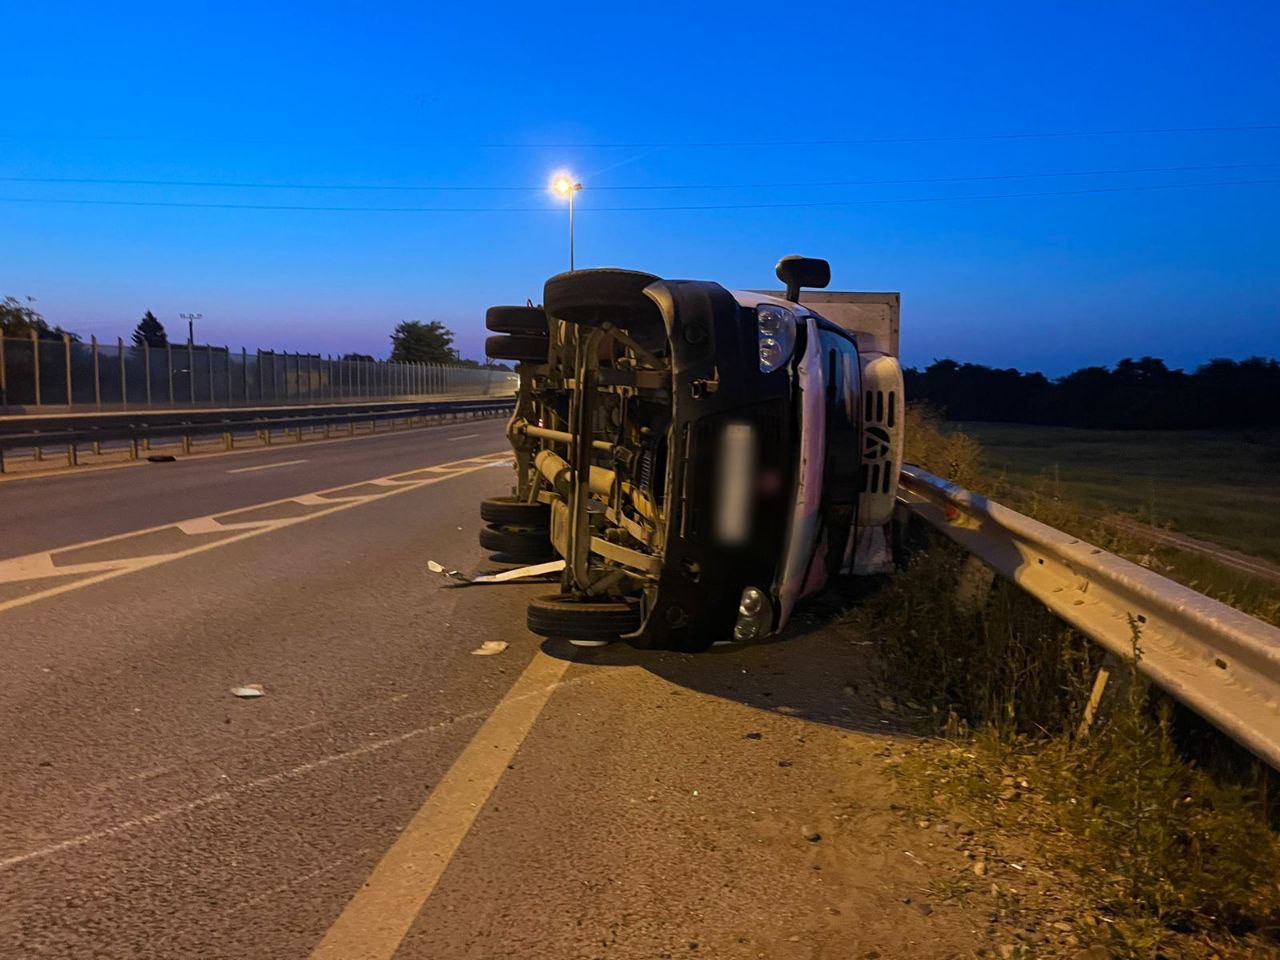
(735, 471)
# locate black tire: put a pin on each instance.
(527, 320)
(572, 618)
(593, 296)
(522, 348)
(509, 510)
(521, 543)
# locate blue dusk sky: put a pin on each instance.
(1049, 185)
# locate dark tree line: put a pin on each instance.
(1135, 394)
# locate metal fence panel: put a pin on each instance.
(112, 375)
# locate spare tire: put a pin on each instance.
(576, 618)
(527, 320)
(509, 510)
(593, 296)
(522, 348)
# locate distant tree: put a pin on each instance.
(150, 331)
(360, 357)
(1135, 394)
(19, 319)
(416, 342)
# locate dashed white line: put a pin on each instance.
(465, 436)
(266, 466)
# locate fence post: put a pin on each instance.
(208, 358)
(4, 390)
(66, 365)
(227, 350)
(35, 365)
(168, 359)
(124, 380)
(244, 372)
(191, 371)
(146, 367)
(97, 378)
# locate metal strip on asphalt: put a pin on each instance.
(383, 910)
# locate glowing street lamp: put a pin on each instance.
(564, 186)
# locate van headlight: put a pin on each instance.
(776, 333)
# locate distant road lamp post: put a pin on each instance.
(191, 319)
(565, 186)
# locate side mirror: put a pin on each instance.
(797, 272)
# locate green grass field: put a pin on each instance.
(1219, 486)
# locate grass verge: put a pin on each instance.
(1130, 838)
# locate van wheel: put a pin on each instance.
(516, 542)
(499, 510)
(526, 320)
(517, 347)
(574, 618)
(593, 296)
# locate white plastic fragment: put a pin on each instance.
(489, 648)
(249, 691)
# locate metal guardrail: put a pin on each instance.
(74, 431)
(1218, 661)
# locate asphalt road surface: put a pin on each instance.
(392, 795)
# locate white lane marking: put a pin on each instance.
(376, 921)
(267, 466)
(274, 779)
(465, 436)
(37, 565)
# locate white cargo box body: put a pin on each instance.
(873, 318)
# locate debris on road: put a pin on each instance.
(249, 691)
(161, 458)
(489, 648)
(503, 576)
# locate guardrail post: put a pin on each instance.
(186, 443)
(66, 364)
(146, 367)
(71, 454)
(228, 441)
(35, 365)
(124, 379)
(133, 446)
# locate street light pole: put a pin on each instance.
(566, 186)
(191, 319)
